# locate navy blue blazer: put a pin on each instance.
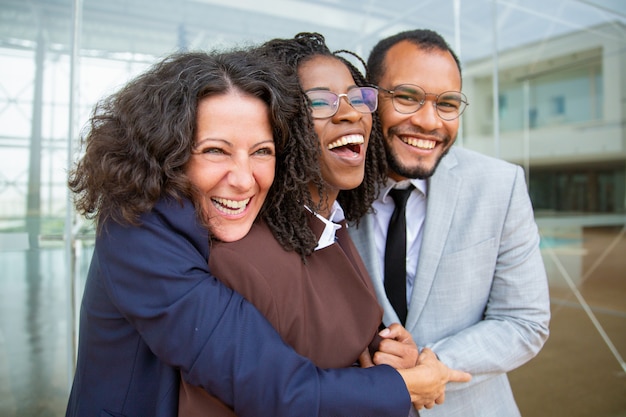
(151, 308)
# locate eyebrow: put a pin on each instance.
(350, 87)
(226, 142)
(317, 89)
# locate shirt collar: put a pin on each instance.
(419, 184)
(327, 237)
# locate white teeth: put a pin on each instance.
(349, 139)
(230, 206)
(420, 143)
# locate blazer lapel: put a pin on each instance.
(443, 192)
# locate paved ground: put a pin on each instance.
(576, 374)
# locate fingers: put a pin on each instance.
(396, 332)
(401, 358)
(419, 405)
(393, 347)
(459, 376)
(365, 359)
(427, 381)
(396, 354)
(397, 348)
(426, 356)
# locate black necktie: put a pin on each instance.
(395, 254)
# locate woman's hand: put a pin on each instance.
(427, 381)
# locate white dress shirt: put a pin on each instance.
(415, 214)
(328, 235)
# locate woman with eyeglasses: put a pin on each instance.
(300, 269)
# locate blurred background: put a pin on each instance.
(546, 82)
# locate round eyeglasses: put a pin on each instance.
(325, 103)
(409, 98)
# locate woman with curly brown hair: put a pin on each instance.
(315, 289)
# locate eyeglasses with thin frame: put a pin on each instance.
(409, 98)
(325, 103)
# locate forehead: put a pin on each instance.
(325, 71)
(232, 116)
(434, 70)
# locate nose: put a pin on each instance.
(426, 116)
(241, 174)
(346, 111)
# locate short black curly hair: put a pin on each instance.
(425, 39)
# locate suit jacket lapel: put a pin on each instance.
(443, 192)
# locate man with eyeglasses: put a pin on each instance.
(468, 279)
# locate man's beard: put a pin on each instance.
(420, 171)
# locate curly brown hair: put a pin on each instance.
(139, 139)
(300, 49)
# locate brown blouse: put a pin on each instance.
(325, 308)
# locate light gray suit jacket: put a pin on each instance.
(480, 299)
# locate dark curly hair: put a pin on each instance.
(422, 38)
(295, 52)
(139, 139)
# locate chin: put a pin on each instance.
(229, 237)
(231, 233)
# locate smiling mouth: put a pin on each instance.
(230, 207)
(350, 143)
(419, 143)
